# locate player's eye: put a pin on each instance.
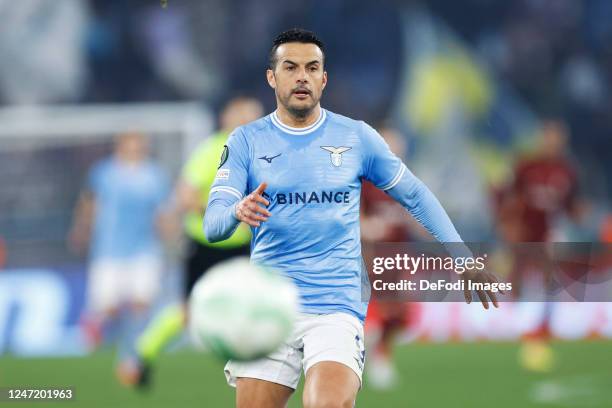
(314, 68)
(290, 68)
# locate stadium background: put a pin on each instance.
(467, 83)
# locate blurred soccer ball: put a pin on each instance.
(242, 311)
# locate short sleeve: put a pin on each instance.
(381, 167)
(232, 172)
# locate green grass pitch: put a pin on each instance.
(432, 375)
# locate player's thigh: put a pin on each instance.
(104, 287)
(145, 276)
(255, 393)
(334, 354)
(330, 384)
(269, 381)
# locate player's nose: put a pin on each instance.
(302, 75)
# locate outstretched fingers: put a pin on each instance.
(251, 209)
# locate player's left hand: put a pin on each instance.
(484, 295)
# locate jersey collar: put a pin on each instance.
(298, 131)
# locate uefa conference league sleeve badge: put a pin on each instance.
(223, 174)
(224, 156)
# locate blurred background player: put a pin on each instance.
(192, 193)
(383, 220)
(120, 213)
(542, 191)
(544, 186)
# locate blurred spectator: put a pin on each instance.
(178, 52)
(41, 52)
(557, 55)
(119, 66)
(121, 209)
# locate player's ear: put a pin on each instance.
(271, 78)
(324, 83)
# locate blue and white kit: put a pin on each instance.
(314, 179)
(314, 186)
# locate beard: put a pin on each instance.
(298, 111)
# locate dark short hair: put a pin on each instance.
(294, 35)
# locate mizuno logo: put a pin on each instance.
(269, 159)
(336, 153)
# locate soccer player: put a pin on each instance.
(123, 209)
(295, 177)
(382, 220)
(544, 188)
(192, 194)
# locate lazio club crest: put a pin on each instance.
(336, 153)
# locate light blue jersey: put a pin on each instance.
(127, 199)
(314, 179)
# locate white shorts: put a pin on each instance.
(327, 337)
(113, 282)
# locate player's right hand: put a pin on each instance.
(249, 210)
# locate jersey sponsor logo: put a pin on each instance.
(223, 174)
(336, 153)
(304, 197)
(269, 159)
(224, 156)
